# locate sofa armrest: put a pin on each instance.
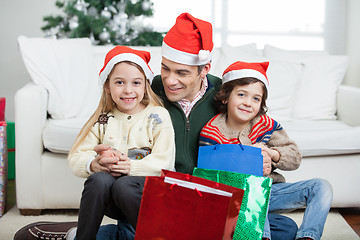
(347, 98)
(30, 118)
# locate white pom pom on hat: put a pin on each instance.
(189, 41)
(122, 53)
(245, 69)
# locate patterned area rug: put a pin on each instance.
(336, 227)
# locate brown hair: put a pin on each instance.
(226, 89)
(200, 68)
(106, 105)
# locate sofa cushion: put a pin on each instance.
(65, 67)
(321, 77)
(314, 138)
(60, 134)
(283, 82)
(320, 80)
(226, 55)
(323, 137)
(296, 56)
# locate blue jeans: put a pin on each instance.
(314, 194)
(282, 228)
(121, 231)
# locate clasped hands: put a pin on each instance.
(111, 161)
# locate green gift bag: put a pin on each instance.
(253, 210)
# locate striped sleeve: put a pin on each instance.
(263, 129)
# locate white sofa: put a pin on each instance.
(306, 96)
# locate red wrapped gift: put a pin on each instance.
(2, 109)
(180, 206)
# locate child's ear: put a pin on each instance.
(107, 89)
(224, 101)
(106, 86)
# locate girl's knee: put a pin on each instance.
(120, 186)
(100, 180)
(126, 186)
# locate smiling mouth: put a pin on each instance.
(128, 99)
(244, 110)
(174, 89)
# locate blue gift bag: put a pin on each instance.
(231, 157)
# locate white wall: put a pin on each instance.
(18, 17)
(353, 44)
(22, 17)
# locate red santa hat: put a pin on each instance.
(123, 53)
(189, 41)
(245, 69)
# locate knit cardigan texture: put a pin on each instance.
(147, 137)
(187, 129)
(262, 129)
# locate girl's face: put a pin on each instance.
(127, 88)
(243, 105)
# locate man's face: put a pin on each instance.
(180, 81)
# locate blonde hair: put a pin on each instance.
(106, 105)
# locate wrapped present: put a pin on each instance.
(253, 211)
(2, 109)
(3, 167)
(179, 206)
(10, 133)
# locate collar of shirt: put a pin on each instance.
(187, 105)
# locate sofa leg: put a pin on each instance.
(30, 212)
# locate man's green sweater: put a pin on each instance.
(187, 130)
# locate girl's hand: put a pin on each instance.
(96, 166)
(122, 167)
(106, 157)
(274, 155)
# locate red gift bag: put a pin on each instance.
(180, 206)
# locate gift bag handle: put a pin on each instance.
(240, 145)
(195, 189)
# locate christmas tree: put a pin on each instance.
(118, 22)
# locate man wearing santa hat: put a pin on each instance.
(188, 93)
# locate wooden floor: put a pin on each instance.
(351, 215)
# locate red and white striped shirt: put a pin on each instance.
(187, 105)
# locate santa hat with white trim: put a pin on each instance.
(245, 69)
(122, 53)
(189, 41)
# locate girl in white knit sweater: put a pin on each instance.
(129, 136)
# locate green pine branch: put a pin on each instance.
(88, 24)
